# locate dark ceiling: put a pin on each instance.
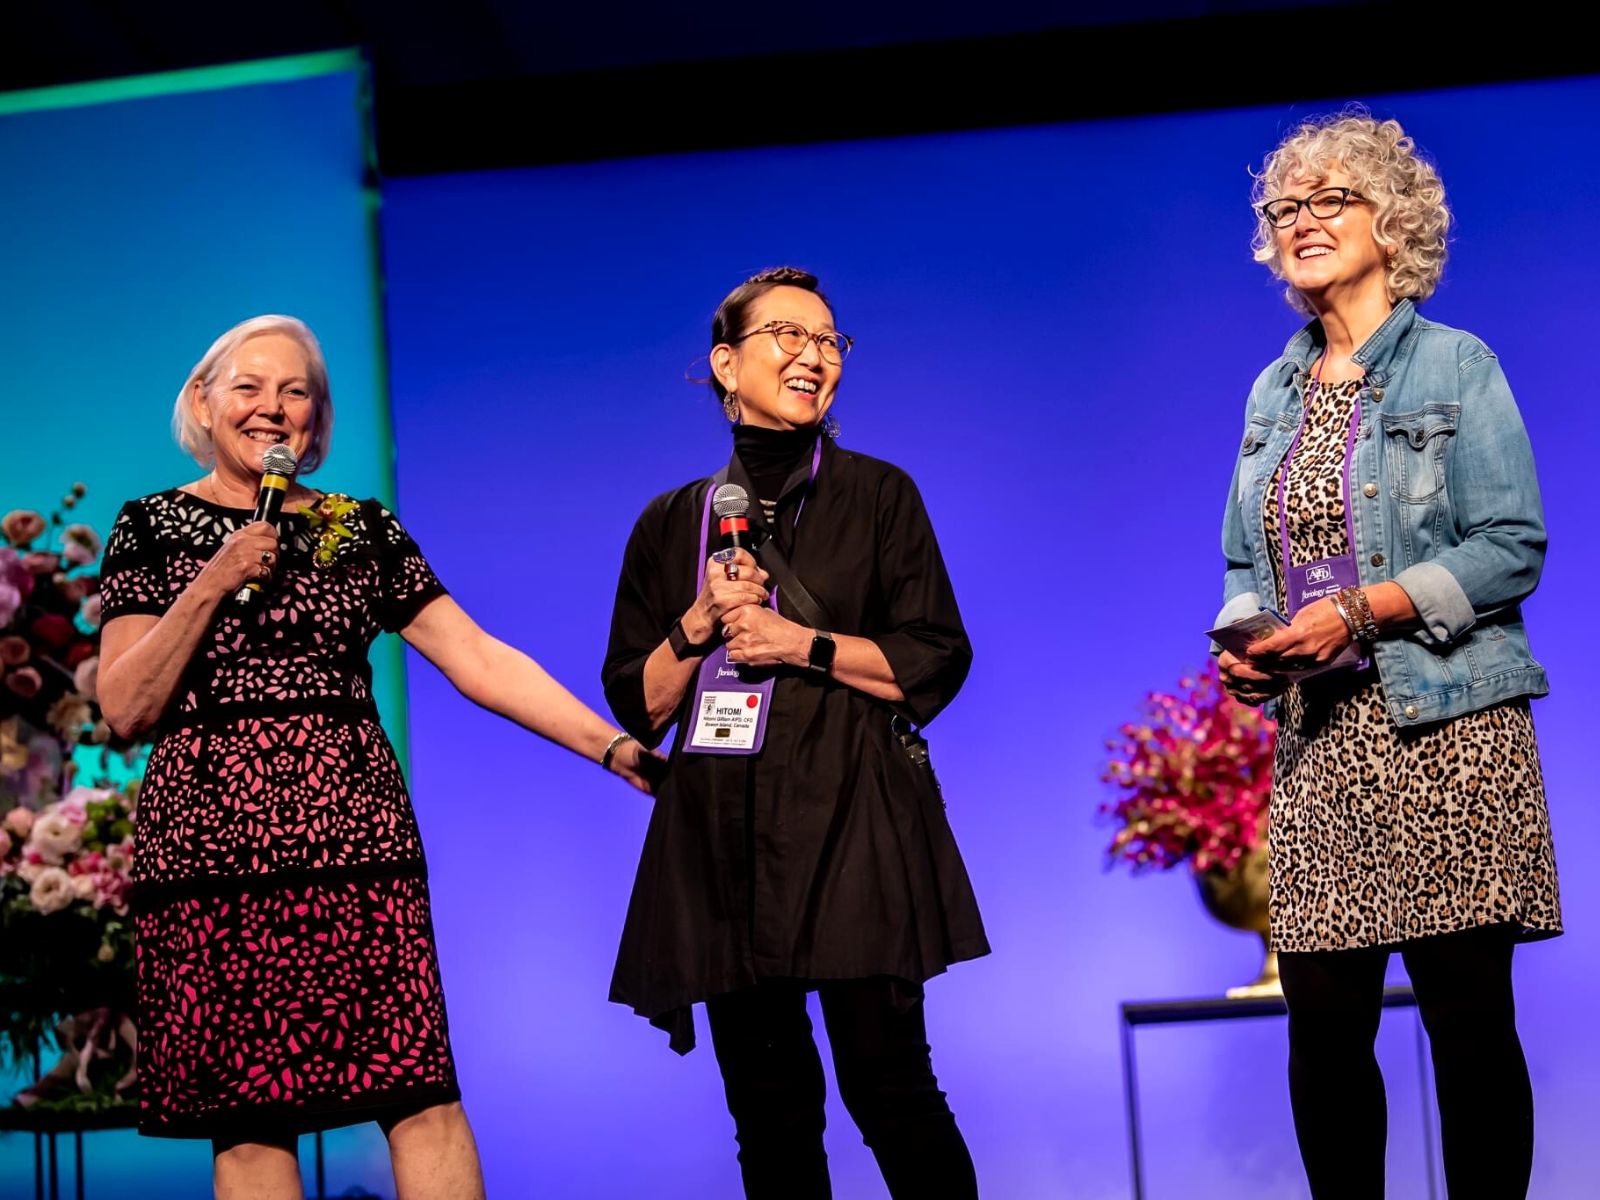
(477, 83)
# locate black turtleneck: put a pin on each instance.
(772, 456)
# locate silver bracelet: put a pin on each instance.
(1366, 627)
(1344, 613)
(611, 748)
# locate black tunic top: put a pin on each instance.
(826, 855)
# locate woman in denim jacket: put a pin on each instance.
(1384, 456)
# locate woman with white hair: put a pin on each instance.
(287, 976)
(1384, 500)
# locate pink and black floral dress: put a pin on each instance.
(287, 978)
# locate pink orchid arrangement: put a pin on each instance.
(1191, 780)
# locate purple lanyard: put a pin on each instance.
(705, 522)
(1283, 477)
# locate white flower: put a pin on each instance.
(52, 890)
(55, 835)
(90, 611)
(83, 887)
(86, 677)
(30, 870)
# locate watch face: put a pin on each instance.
(822, 648)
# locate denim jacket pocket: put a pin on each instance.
(1414, 450)
(1256, 435)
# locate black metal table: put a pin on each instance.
(1221, 1008)
(48, 1127)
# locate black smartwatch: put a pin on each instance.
(822, 651)
(682, 648)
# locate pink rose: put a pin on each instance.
(83, 887)
(86, 677)
(5, 843)
(14, 651)
(19, 821)
(25, 682)
(75, 804)
(41, 563)
(89, 614)
(16, 584)
(20, 526)
(80, 545)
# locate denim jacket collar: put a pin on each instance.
(1379, 355)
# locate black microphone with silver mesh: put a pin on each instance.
(278, 466)
(731, 503)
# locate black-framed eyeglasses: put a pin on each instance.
(791, 338)
(1324, 203)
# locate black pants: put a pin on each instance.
(773, 1078)
(1463, 986)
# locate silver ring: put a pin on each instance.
(266, 558)
(731, 570)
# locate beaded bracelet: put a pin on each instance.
(1366, 626)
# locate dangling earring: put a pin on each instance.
(730, 407)
(830, 427)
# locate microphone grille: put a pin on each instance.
(730, 500)
(279, 460)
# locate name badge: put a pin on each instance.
(730, 707)
(1306, 583)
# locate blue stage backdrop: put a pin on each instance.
(138, 220)
(1056, 331)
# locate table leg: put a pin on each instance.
(55, 1170)
(1130, 1091)
(1425, 1081)
(77, 1179)
(322, 1187)
(38, 1166)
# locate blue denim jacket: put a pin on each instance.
(1444, 502)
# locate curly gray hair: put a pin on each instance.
(1385, 166)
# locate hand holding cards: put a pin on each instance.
(1238, 637)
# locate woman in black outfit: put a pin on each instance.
(822, 861)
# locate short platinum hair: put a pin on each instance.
(196, 438)
(1407, 197)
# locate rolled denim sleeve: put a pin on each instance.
(1495, 507)
(1241, 594)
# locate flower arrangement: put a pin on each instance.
(1192, 780)
(66, 845)
(326, 518)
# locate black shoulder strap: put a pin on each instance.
(776, 565)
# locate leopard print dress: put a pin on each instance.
(1377, 834)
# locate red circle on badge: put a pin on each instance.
(751, 701)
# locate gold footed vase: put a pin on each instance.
(1238, 898)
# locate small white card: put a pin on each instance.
(728, 721)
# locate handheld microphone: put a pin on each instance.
(277, 469)
(731, 503)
